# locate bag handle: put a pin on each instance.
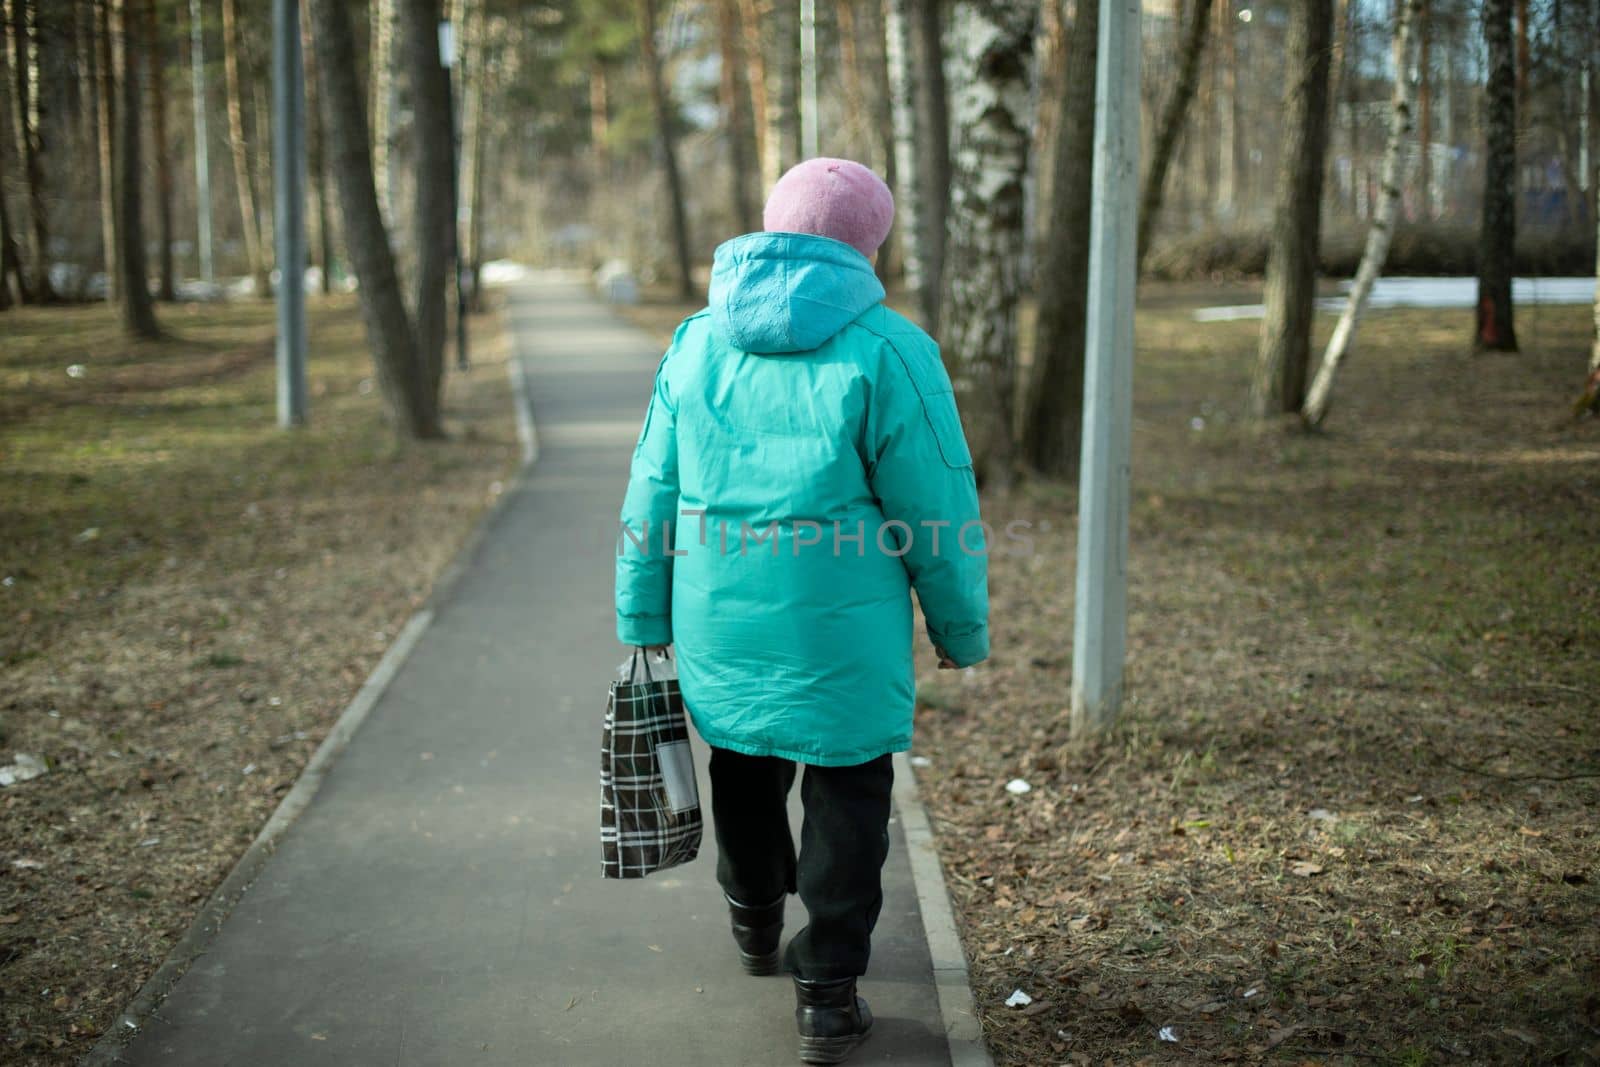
(633, 664)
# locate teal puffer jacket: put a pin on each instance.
(801, 469)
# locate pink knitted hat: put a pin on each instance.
(835, 198)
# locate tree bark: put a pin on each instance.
(783, 104)
(756, 76)
(477, 155)
(316, 156)
(1284, 355)
(1173, 118)
(382, 63)
(991, 109)
(108, 125)
(435, 207)
(735, 103)
(881, 142)
(904, 119)
(158, 106)
(1425, 110)
(383, 308)
(1383, 219)
(1497, 235)
(667, 144)
(29, 116)
(243, 174)
(138, 312)
(10, 251)
(934, 145)
(1052, 428)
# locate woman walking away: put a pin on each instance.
(800, 470)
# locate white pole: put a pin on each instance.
(1100, 627)
(808, 79)
(289, 220)
(202, 165)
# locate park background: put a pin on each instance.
(1347, 810)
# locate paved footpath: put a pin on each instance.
(439, 901)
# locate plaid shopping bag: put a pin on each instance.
(649, 800)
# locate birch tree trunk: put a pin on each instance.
(933, 146)
(1383, 219)
(382, 65)
(735, 103)
(158, 123)
(138, 313)
(910, 219)
(990, 105)
(666, 131)
(1497, 236)
(1052, 429)
(880, 125)
(244, 179)
(1284, 354)
(1172, 122)
(1425, 109)
(383, 309)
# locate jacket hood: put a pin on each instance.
(787, 292)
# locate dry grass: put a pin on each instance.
(1348, 815)
(194, 595)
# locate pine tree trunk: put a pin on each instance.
(850, 81)
(1497, 236)
(991, 112)
(666, 131)
(138, 313)
(435, 233)
(28, 112)
(1228, 168)
(735, 109)
(1052, 430)
(756, 77)
(1383, 218)
(383, 309)
(108, 182)
(155, 59)
(1283, 358)
(1173, 118)
(243, 174)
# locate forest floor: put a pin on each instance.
(1349, 813)
(192, 596)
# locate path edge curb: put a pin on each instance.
(209, 919)
(957, 1008)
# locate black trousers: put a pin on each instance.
(844, 840)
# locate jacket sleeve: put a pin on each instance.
(644, 537)
(921, 471)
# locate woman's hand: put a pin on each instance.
(945, 662)
(656, 650)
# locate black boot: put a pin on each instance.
(758, 931)
(833, 1021)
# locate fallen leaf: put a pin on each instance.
(1306, 869)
